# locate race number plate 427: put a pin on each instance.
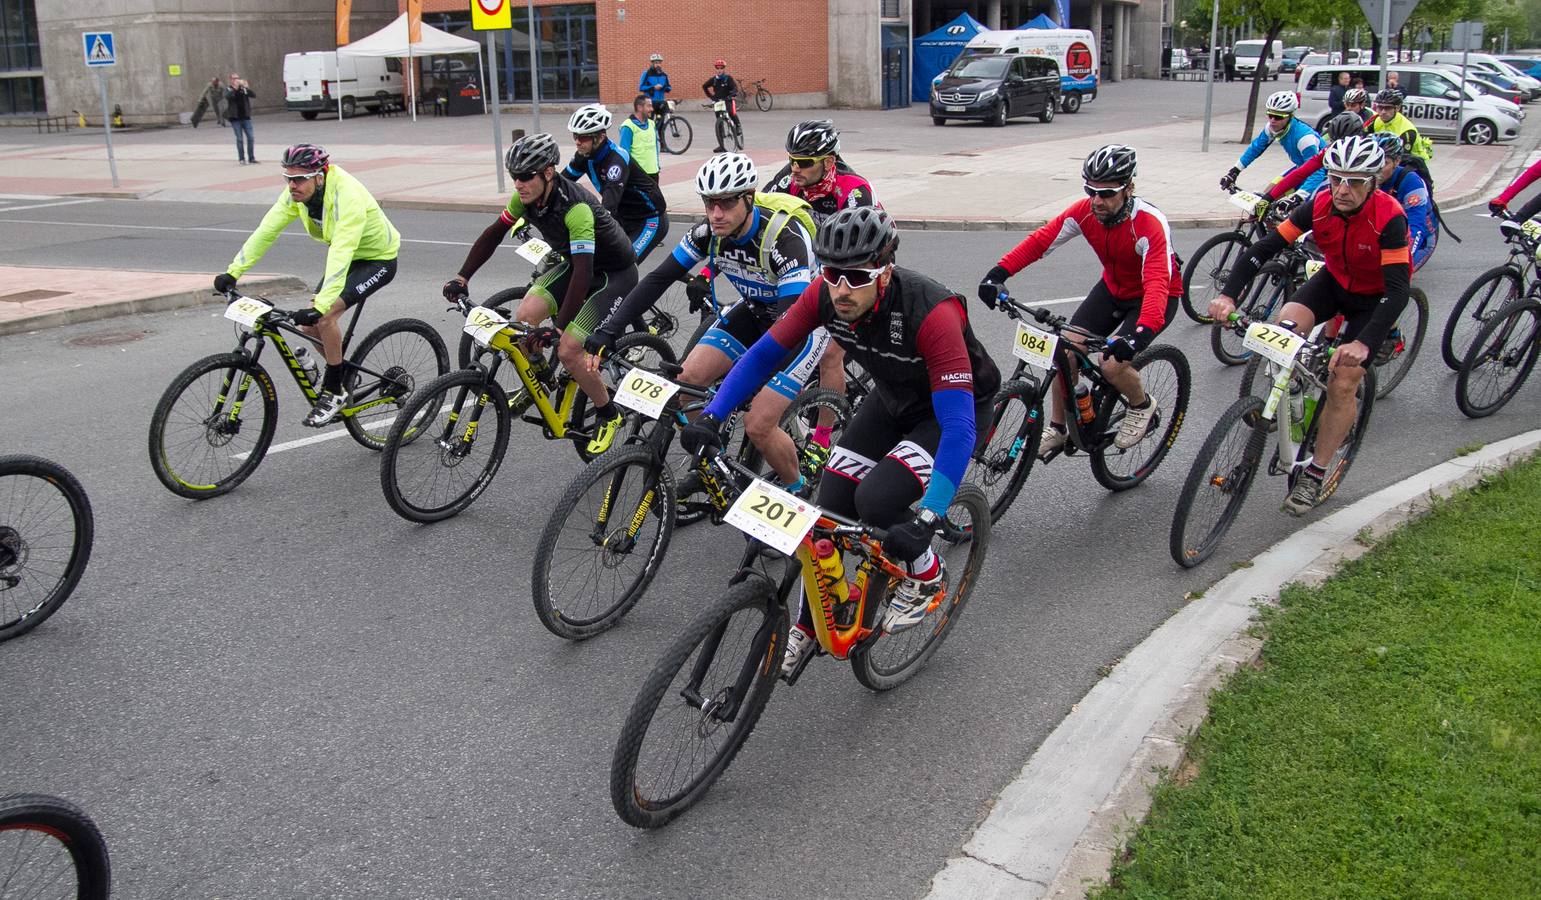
(1033, 346)
(1275, 344)
(247, 311)
(769, 514)
(645, 392)
(483, 324)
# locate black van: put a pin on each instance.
(994, 87)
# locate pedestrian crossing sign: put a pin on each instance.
(99, 48)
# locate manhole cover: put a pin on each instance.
(24, 296)
(963, 153)
(106, 338)
(948, 172)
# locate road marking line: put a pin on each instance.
(316, 438)
(11, 209)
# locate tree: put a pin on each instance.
(1272, 16)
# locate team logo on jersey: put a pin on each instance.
(853, 198)
(614, 173)
(1414, 200)
(896, 327)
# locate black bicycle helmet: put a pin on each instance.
(816, 138)
(1390, 144)
(1344, 124)
(1113, 164)
(532, 153)
(1390, 97)
(305, 156)
(854, 237)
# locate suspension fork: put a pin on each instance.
(759, 658)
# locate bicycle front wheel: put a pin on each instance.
(391, 363)
(1164, 372)
(1264, 295)
(676, 134)
(1395, 356)
(885, 661)
(439, 457)
(50, 848)
(1207, 270)
(1493, 290)
(1499, 360)
(603, 543)
(815, 408)
(1218, 483)
(698, 705)
(764, 99)
(1001, 467)
(46, 533)
(213, 425)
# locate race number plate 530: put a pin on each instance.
(768, 513)
(483, 324)
(1034, 347)
(1275, 344)
(645, 392)
(247, 311)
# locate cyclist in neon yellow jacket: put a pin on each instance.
(361, 257)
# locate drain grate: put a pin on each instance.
(948, 172)
(24, 296)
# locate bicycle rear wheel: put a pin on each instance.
(46, 533)
(404, 354)
(1207, 270)
(811, 409)
(1491, 291)
(698, 705)
(1499, 360)
(439, 457)
(603, 543)
(675, 136)
(1264, 295)
(764, 99)
(1218, 483)
(203, 441)
(50, 848)
(884, 661)
(1337, 466)
(1395, 356)
(1164, 373)
(1001, 467)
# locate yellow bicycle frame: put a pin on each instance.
(556, 417)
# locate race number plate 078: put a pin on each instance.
(247, 311)
(645, 392)
(769, 514)
(1278, 345)
(483, 324)
(1033, 346)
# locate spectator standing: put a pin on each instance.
(655, 84)
(238, 97)
(639, 135)
(215, 94)
(1230, 65)
(1335, 95)
(722, 86)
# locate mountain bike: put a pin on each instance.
(1223, 472)
(50, 848)
(1211, 264)
(439, 456)
(46, 533)
(763, 98)
(705, 695)
(608, 534)
(1275, 282)
(210, 430)
(1492, 290)
(1500, 357)
(674, 134)
(1001, 467)
(724, 127)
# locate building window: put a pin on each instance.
(21, 63)
(568, 45)
(891, 9)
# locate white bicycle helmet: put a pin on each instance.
(1282, 102)
(1357, 155)
(726, 174)
(1356, 95)
(656, 57)
(589, 119)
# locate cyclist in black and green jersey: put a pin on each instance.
(599, 268)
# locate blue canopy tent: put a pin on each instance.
(934, 52)
(1038, 21)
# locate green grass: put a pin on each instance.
(1389, 743)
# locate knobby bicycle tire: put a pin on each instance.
(618, 474)
(1236, 430)
(1337, 467)
(42, 556)
(1161, 436)
(1390, 373)
(1001, 467)
(1210, 273)
(32, 827)
(711, 630)
(397, 378)
(799, 421)
(885, 661)
(217, 466)
(1517, 323)
(1264, 295)
(440, 442)
(1486, 295)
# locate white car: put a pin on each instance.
(1433, 102)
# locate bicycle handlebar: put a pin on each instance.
(1015, 309)
(740, 474)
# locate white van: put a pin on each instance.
(1433, 102)
(1073, 49)
(1248, 53)
(311, 85)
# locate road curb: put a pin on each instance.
(1055, 829)
(180, 300)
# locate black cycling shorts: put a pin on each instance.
(1326, 298)
(365, 276)
(646, 234)
(606, 291)
(1107, 315)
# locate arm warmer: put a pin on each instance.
(955, 413)
(762, 360)
(482, 249)
(1526, 179)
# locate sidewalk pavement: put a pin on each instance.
(85, 295)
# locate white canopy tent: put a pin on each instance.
(391, 41)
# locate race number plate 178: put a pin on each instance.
(769, 514)
(483, 324)
(645, 392)
(1275, 344)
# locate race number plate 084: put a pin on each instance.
(483, 324)
(1033, 346)
(1275, 344)
(533, 250)
(645, 392)
(247, 311)
(767, 513)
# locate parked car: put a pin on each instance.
(1292, 58)
(1526, 65)
(1250, 53)
(1491, 84)
(1433, 102)
(994, 88)
(1180, 58)
(1485, 62)
(311, 85)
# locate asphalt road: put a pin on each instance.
(290, 692)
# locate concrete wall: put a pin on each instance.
(855, 54)
(205, 37)
(1145, 39)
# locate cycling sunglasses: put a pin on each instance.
(525, 176)
(1277, 116)
(853, 277)
(1104, 193)
(804, 162)
(724, 202)
(1350, 180)
(296, 179)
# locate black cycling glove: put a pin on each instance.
(705, 431)
(224, 282)
(455, 290)
(990, 287)
(598, 342)
(307, 316)
(1228, 180)
(1124, 349)
(908, 540)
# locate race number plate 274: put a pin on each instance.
(1278, 345)
(769, 514)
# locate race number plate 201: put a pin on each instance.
(1033, 346)
(1313, 266)
(247, 311)
(534, 250)
(1273, 343)
(645, 392)
(767, 513)
(483, 324)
